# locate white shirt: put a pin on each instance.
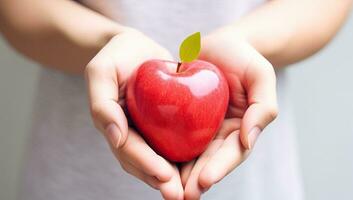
(68, 159)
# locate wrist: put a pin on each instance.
(227, 33)
(238, 34)
(222, 38)
(270, 45)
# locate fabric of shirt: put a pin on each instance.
(67, 158)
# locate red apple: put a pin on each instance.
(177, 113)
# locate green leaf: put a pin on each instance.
(190, 48)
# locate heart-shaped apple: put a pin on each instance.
(177, 112)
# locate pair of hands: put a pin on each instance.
(252, 106)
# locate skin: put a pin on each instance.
(107, 74)
(252, 106)
(53, 33)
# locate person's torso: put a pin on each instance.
(168, 22)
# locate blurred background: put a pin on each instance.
(321, 89)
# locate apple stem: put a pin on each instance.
(178, 67)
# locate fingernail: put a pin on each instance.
(252, 136)
(113, 134)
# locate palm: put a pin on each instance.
(107, 76)
(252, 104)
(225, 144)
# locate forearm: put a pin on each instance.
(286, 31)
(60, 34)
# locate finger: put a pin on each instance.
(186, 171)
(260, 84)
(169, 190)
(103, 89)
(227, 157)
(229, 125)
(130, 49)
(192, 188)
(173, 189)
(150, 180)
(141, 156)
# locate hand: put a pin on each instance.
(106, 75)
(252, 106)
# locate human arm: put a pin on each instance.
(60, 34)
(287, 31)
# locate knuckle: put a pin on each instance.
(124, 167)
(101, 65)
(268, 64)
(265, 65)
(96, 110)
(123, 148)
(205, 182)
(269, 68)
(91, 68)
(272, 112)
(96, 113)
(96, 124)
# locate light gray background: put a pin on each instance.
(321, 89)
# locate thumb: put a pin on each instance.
(103, 90)
(110, 119)
(260, 85)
